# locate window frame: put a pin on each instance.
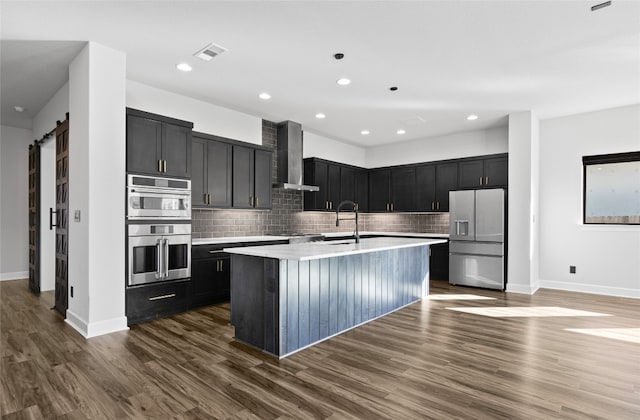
(598, 160)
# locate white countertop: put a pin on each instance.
(317, 250)
(264, 238)
(235, 239)
(404, 234)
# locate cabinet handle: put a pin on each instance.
(217, 251)
(159, 165)
(486, 180)
(330, 205)
(391, 206)
(438, 205)
(162, 297)
(251, 200)
(257, 201)
(221, 265)
(480, 180)
(432, 206)
(164, 166)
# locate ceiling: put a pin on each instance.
(448, 59)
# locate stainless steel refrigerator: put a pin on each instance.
(477, 234)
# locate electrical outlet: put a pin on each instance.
(572, 269)
(71, 291)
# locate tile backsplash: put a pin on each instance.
(286, 215)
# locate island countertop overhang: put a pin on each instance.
(318, 250)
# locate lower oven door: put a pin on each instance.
(159, 258)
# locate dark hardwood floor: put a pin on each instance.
(424, 361)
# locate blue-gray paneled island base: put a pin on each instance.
(288, 297)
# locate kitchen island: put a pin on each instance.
(285, 298)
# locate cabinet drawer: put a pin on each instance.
(152, 301)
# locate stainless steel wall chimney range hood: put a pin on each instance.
(290, 157)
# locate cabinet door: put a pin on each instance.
(379, 183)
(144, 143)
(347, 184)
(321, 197)
(439, 262)
(446, 180)
(262, 184)
(403, 189)
(471, 174)
(243, 177)
(362, 189)
(176, 150)
(333, 186)
(218, 181)
(210, 280)
(426, 188)
(496, 172)
(198, 173)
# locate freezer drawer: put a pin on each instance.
(478, 248)
(476, 270)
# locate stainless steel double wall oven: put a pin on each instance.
(158, 229)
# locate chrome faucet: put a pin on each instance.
(355, 210)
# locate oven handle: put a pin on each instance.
(165, 260)
(160, 256)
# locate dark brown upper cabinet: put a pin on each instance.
(211, 175)
(488, 172)
(158, 145)
(251, 178)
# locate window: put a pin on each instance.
(612, 189)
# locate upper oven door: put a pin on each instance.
(145, 203)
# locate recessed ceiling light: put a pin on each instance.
(364, 132)
(264, 95)
(401, 131)
(183, 67)
(18, 108)
(320, 115)
(343, 81)
(472, 117)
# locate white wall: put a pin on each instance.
(315, 145)
(458, 145)
(206, 117)
(14, 202)
(607, 258)
(96, 189)
(43, 122)
(522, 267)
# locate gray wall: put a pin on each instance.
(14, 220)
(287, 216)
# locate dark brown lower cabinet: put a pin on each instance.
(439, 262)
(156, 300)
(210, 280)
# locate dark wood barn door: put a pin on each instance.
(62, 213)
(34, 217)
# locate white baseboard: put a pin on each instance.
(591, 288)
(17, 275)
(95, 329)
(522, 288)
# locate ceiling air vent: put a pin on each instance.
(209, 51)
